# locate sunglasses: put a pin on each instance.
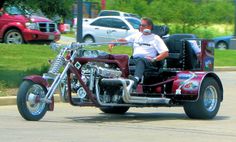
(143, 25)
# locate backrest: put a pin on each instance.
(160, 30)
(175, 44)
(190, 57)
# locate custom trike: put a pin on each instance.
(87, 77)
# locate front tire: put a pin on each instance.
(28, 100)
(114, 110)
(208, 103)
(13, 36)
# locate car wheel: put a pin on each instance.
(88, 39)
(13, 37)
(222, 45)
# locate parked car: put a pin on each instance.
(117, 13)
(222, 42)
(108, 28)
(18, 26)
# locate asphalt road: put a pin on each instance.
(85, 124)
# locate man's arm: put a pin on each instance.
(110, 46)
(161, 56)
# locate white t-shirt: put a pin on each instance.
(146, 45)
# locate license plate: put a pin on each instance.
(51, 37)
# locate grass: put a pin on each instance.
(17, 61)
(225, 57)
(69, 34)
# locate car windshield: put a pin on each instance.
(134, 22)
(13, 10)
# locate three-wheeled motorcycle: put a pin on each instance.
(87, 77)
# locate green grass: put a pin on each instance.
(225, 57)
(17, 61)
(69, 34)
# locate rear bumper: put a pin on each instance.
(35, 35)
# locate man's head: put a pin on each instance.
(146, 26)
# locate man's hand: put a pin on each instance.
(149, 58)
(110, 46)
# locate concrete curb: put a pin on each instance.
(11, 100)
(226, 68)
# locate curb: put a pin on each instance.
(11, 100)
(225, 68)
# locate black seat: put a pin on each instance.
(175, 44)
(190, 60)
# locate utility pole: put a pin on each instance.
(79, 30)
(232, 44)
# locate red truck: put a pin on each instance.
(18, 26)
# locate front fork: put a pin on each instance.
(59, 77)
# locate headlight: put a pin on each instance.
(90, 53)
(32, 26)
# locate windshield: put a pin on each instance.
(13, 10)
(134, 22)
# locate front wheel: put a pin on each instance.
(114, 110)
(13, 37)
(208, 103)
(29, 101)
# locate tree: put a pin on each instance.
(50, 8)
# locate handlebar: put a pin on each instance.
(77, 45)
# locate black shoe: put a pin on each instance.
(135, 82)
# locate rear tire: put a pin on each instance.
(88, 39)
(28, 100)
(222, 45)
(114, 110)
(208, 103)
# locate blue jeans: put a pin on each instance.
(141, 64)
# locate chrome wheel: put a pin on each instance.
(30, 102)
(210, 98)
(208, 103)
(33, 102)
(14, 37)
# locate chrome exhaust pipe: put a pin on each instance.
(127, 98)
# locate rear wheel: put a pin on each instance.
(222, 45)
(114, 110)
(29, 101)
(13, 37)
(208, 103)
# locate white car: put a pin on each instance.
(108, 28)
(117, 13)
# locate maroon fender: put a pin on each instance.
(192, 86)
(37, 79)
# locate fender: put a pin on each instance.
(189, 83)
(37, 79)
(40, 80)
